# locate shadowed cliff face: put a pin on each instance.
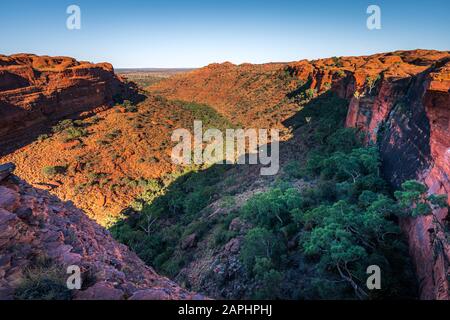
(409, 118)
(34, 89)
(41, 236)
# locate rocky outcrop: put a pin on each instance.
(409, 117)
(6, 170)
(35, 225)
(422, 127)
(37, 88)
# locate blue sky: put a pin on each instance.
(175, 33)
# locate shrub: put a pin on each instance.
(43, 137)
(340, 73)
(268, 280)
(72, 130)
(43, 281)
(63, 125)
(53, 171)
(129, 107)
(272, 209)
(102, 142)
(97, 179)
(337, 62)
(196, 201)
(95, 119)
(310, 93)
(43, 287)
(151, 185)
(228, 202)
(221, 236)
(132, 109)
(294, 170)
(73, 133)
(113, 134)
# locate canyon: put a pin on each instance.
(400, 100)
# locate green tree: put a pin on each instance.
(414, 200)
(346, 238)
(268, 280)
(359, 162)
(260, 243)
(272, 209)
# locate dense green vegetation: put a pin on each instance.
(210, 117)
(312, 242)
(169, 213)
(344, 223)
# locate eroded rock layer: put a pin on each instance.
(36, 88)
(409, 117)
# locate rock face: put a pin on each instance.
(34, 224)
(6, 170)
(409, 117)
(36, 88)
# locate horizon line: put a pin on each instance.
(227, 61)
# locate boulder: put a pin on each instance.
(6, 170)
(189, 242)
(9, 199)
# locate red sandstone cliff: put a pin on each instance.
(402, 101)
(408, 115)
(36, 88)
(35, 225)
